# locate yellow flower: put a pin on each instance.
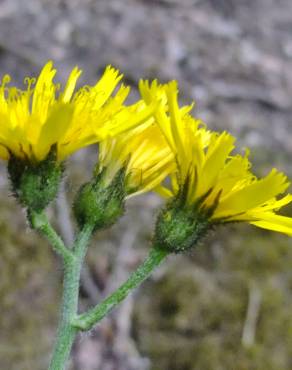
(131, 163)
(144, 153)
(35, 119)
(209, 179)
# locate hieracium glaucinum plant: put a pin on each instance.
(151, 145)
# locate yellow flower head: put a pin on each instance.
(130, 163)
(209, 179)
(144, 153)
(43, 115)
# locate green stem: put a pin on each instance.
(66, 331)
(70, 323)
(87, 320)
(40, 222)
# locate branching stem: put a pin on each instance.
(87, 320)
(72, 270)
(70, 322)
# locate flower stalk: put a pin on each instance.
(72, 263)
(72, 270)
(40, 223)
(87, 320)
(70, 322)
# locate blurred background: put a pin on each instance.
(225, 306)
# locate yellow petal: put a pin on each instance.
(70, 86)
(54, 129)
(104, 87)
(216, 156)
(4, 154)
(44, 91)
(275, 204)
(275, 222)
(163, 191)
(253, 195)
(176, 123)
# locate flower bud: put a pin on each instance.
(35, 185)
(179, 228)
(100, 204)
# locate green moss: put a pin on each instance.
(28, 302)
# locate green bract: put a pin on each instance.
(35, 185)
(179, 228)
(98, 204)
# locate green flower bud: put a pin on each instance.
(100, 204)
(182, 224)
(35, 185)
(179, 228)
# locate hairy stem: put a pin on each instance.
(70, 322)
(66, 331)
(87, 320)
(40, 222)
